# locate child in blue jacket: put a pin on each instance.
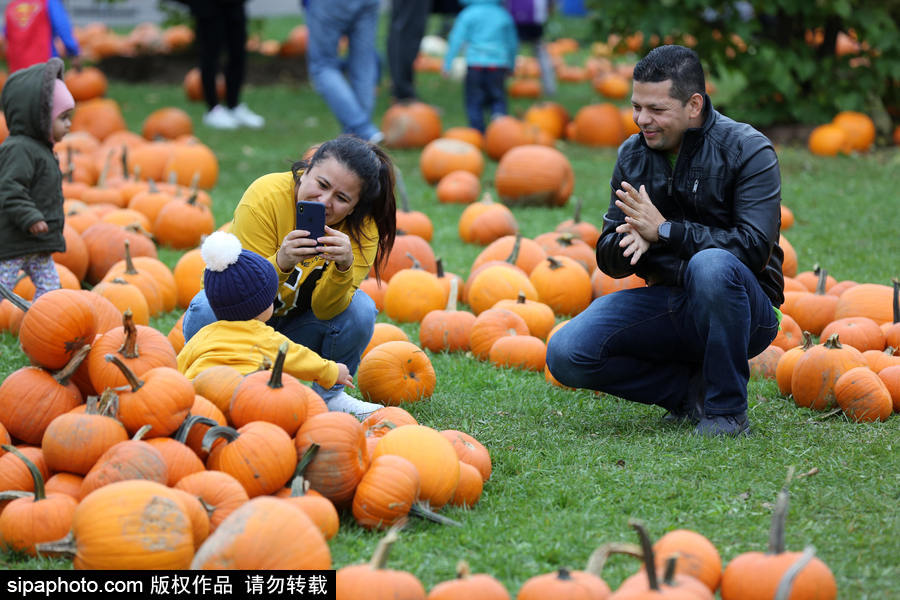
(489, 34)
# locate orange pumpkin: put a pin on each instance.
(168, 122)
(471, 451)
(445, 155)
(341, 458)
(491, 325)
(448, 328)
(815, 373)
(411, 125)
(458, 187)
(396, 372)
(534, 174)
(375, 582)
(597, 125)
(259, 455)
(862, 395)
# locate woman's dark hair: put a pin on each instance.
(677, 63)
(376, 197)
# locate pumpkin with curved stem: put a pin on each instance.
(386, 493)
(467, 585)
(756, 575)
(863, 396)
(458, 187)
(31, 398)
(375, 582)
(432, 454)
(25, 522)
(587, 232)
(443, 156)
(260, 455)
(245, 540)
(341, 458)
(15, 474)
(219, 492)
(161, 398)
(275, 397)
(563, 285)
(385, 332)
(448, 328)
(217, 384)
(131, 459)
(54, 326)
(817, 370)
(396, 372)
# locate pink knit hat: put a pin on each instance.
(62, 99)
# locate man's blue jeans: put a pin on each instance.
(644, 344)
(351, 98)
(341, 339)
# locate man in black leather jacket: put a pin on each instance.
(695, 211)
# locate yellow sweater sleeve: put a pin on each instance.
(335, 289)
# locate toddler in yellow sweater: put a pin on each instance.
(241, 286)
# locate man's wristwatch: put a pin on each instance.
(664, 231)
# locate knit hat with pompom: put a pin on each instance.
(239, 284)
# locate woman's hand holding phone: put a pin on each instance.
(334, 247)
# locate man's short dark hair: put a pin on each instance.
(680, 64)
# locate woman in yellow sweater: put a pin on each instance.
(318, 303)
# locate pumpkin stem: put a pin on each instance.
(65, 547)
(181, 434)
(401, 189)
(823, 279)
(598, 557)
(576, 216)
(140, 433)
(129, 348)
(669, 574)
(896, 282)
(779, 515)
(452, 295)
(133, 380)
(807, 341)
(17, 300)
(786, 584)
(70, 171)
(308, 455)
(514, 255)
(415, 262)
(521, 298)
(417, 509)
(278, 367)
(440, 267)
(129, 264)
(124, 158)
(32, 468)
(647, 551)
(219, 431)
(462, 570)
(299, 487)
(63, 375)
(151, 185)
(106, 405)
(554, 263)
(379, 558)
(563, 574)
(101, 180)
(833, 342)
(14, 495)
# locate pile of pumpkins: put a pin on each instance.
(848, 132)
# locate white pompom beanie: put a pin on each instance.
(240, 284)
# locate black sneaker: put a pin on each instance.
(723, 425)
(691, 408)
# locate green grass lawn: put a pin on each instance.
(571, 467)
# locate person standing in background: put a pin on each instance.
(407, 26)
(487, 30)
(31, 28)
(218, 24)
(530, 17)
(350, 97)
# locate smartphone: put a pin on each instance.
(311, 218)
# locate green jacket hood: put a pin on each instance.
(27, 97)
